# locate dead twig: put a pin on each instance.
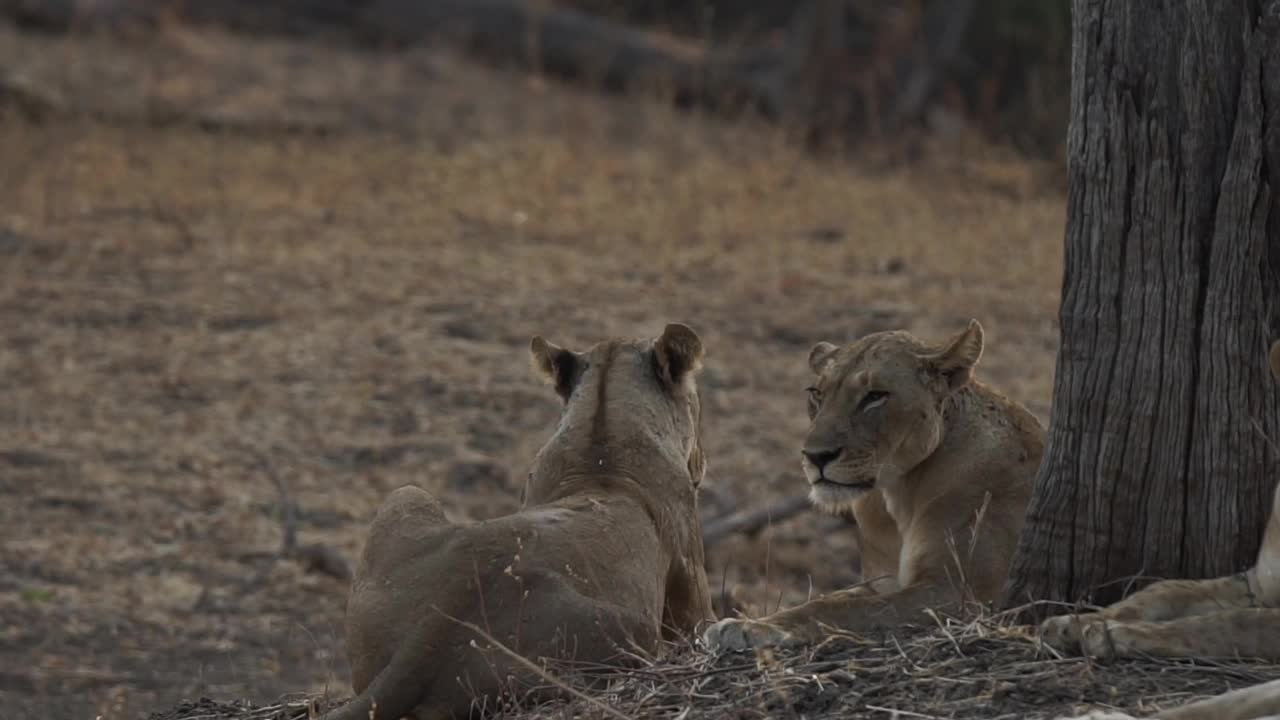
(315, 557)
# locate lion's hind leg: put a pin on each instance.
(1159, 601)
(410, 501)
(405, 528)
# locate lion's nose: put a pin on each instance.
(821, 458)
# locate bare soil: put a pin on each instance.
(229, 266)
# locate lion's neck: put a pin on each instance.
(634, 464)
(635, 452)
(972, 417)
(625, 436)
(663, 494)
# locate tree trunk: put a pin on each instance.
(1160, 458)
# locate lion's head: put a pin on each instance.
(623, 400)
(876, 409)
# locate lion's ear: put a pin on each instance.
(1275, 359)
(557, 365)
(678, 352)
(958, 356)
(821, 355)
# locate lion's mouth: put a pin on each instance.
(858, 485)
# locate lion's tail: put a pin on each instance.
(395, 691)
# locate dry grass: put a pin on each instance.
(979, 668)
(356, 306)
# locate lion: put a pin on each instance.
(1236, 615)
(1254, 702)
(1220, 617)
(603, 561)
(937, 469)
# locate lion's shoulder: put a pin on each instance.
(1015, 427)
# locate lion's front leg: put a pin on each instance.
(1231, 633)
(687, 601)
(856, 610)
(1164, 600)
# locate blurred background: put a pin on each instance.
(263, 262)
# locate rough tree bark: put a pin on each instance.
(1160, 459)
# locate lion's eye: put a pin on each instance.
(873, 399)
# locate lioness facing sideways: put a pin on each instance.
(605, 558)
(936, 468)
(1221, 617)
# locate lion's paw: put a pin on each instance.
(1106, 641)
(1064, 632)
(735, 635)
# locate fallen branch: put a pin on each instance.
(42, 104)
(532, 33)
(575, 45)
(21, 96)
(748, 522)
(831, 49)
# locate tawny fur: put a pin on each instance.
(1255, 702)
(604, 560)
(936, 467)
(1237, 615)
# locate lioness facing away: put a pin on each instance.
(605, 558)
(937, 469)
(1237, 615)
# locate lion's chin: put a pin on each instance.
(834, 497)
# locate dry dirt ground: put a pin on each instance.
(201, 302)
